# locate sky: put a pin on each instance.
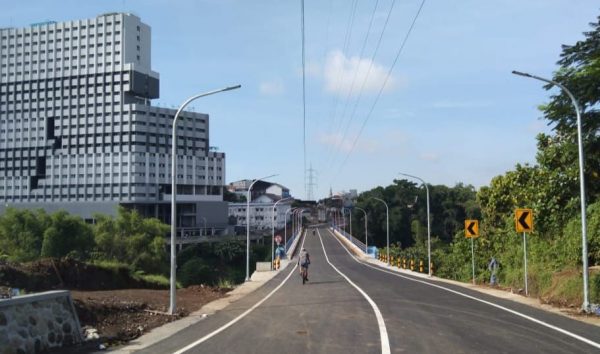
(450, 110)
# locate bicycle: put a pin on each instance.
(304, 274)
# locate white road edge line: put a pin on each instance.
(385, 342)
(242, 315)
(532, 319)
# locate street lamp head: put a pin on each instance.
(521, 73)
(232, 88)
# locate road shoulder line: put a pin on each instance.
(514, 312)
(385, 342)
(242, 315)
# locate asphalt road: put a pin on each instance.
(358, 310)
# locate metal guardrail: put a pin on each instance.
(290, 240)
(352, 239)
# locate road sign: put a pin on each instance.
(524, 220)
(278, 239)
(471, 228)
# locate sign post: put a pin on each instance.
(524, 224)
(472, 231)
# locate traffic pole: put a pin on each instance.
(525, 260)
(473, 259)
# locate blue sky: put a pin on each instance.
(451, 112)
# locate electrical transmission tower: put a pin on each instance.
(311, 185)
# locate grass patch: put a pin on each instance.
(156, 279)
(109, 264)
(225, 283)
(566, 289)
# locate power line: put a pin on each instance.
(332, 157)
(347, 37)
(303, 90)
(389, 73)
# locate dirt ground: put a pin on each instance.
(123, 315)
(115, 306)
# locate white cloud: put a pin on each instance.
(339, 72)
(271, 88)
(336, 141)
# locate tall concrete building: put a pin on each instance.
(78, 131)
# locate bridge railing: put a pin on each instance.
(290, 245)
(352, 239)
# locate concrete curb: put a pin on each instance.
(158, 334)
(294, 244)
(354, 248)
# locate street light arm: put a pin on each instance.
(584, 249)
(387, 223)
(248, 224)
(173, 273)
(273, 229)
(561, 86)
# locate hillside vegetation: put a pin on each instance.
(550, 187)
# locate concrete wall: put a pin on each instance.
(37, 322)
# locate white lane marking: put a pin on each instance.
(244, 314)
(532, 319)
(385, 342)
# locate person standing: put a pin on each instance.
(304, 262)
(493, 268)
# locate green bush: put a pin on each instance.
(197, 271)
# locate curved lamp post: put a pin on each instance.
(273, 230)
(285, 232)
(336, 219)
(174, 191)
(366, 241)
(584, 250)
(344, 209)
(387, 222)
(428, 221)
(248, 224)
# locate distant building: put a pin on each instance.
(261, 212)
(78, 131)
(259, 188)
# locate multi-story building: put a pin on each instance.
(261, 187)
(78, 131)
(261, 212)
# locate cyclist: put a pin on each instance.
(303, 262)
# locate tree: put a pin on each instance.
(132, 239)
(22, 233)
(67, 234)
(580, 72)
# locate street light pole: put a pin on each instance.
(366, 241)
(172, 301)
(584, 249)
(387, 223)
(428, 222)
(248, 225)
(285, 228)
(273, 230)
(350, 221)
